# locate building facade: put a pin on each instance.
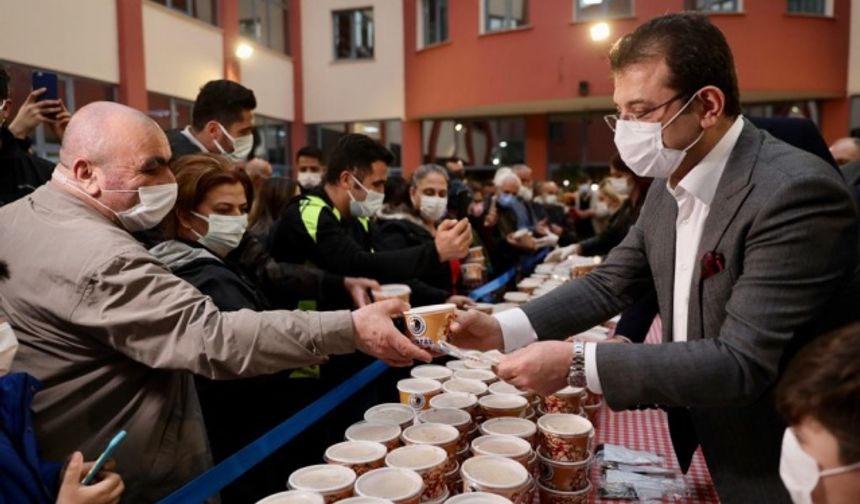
(490, 81)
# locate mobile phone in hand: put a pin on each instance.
(104, 457)
(47, 80)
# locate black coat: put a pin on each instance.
(400, 231)
(180, 145)
(20, 172)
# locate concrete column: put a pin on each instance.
(132, 69)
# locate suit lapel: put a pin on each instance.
(663, 262)
(731, 192)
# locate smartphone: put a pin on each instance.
(107, 454)
(47, 80)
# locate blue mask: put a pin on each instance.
(506, 200)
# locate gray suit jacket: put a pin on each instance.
(785, 222)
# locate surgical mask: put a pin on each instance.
(506, 200)
(620, 185)
(800, 472)
(241, 145)
(640, 145)
(155, 203)
(433, 208)
(477, 209)
(224, 234)
(601, 209)
(526, 193)
(550, 199)
(8, 347)
(371, 205)
(309, 180)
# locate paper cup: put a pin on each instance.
(550, 496)
(332, 482)
(564, 476)
(432, 372)
(387, 434)
(453, 480)
(565, 437)
(391, 413)
(476, 254)
(468, 386)
(416, 392)
(478, 364)
(365, 500)
(592, 412)
(457, 400)
(392, 291)
(478, 498)
(508, 426)
(482, 375)
(496, 475)
(456, 418)
(510, 447)
(529, 285)
(456, 365)
(434, 434)
(431, 462)
(503, 405)
(428, 325)
(293, 497)
(501, 387)
(517, 298)
(400, 486)
(473, 271)
(566, 400)
(592, 398)
(441, 499)
(360, 456)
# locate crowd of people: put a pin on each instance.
(167, 284)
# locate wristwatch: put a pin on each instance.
(576, 378)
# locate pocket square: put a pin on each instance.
(712, 263)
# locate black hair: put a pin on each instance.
(4, 84)
(355, 151)
(695, 51)
(311, 152)
(223, 101)
(4, 271)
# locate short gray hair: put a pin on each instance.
(424, 170)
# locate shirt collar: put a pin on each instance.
(193, 139)
(703, 179)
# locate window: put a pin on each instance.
(388, 133)
(272, 143)
(500, 15)
(204, 10)
(435, 21)
(353, 34)
(168, 112)
(74, 91)
(815, 7)
(589, 10)
(714, 5)
(267, 22)
(481, 143)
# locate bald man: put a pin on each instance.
(845, 150)
(114, 336)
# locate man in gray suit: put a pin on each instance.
(747, 243)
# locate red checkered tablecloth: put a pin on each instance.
(648, 430)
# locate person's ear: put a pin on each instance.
(345, 180)
(413, 196)
(184, 218)
(213, 130)
(86, 176)
(712, 102)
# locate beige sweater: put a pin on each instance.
(114, 337)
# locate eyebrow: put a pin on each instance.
(152, 163)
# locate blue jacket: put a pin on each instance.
(23, 476)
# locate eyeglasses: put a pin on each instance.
(612, 119)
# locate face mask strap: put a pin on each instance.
(839, 470)
(680, 111)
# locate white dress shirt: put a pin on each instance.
(694, 195)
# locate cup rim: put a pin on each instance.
(487, 375)
(486, 402)
(455, 365)
(563, 463)
(466, 381)
(524, 449)
(532, 426)
(502, 383)
(490, 498)
(393, 289)
(465, 418)
(374, 423)
(431, 309)
(435, 385)
(406, 473)
(515, 466)
(584, 491)
(441, 369)
(472, 398)
(270, 499)
(361, 498)
(570, 392)
(379, 452)
(345, 471)
(408, 433)
(442, 498)
(384, 406)
(541, 423)
(441, 457)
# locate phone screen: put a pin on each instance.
(47, 80)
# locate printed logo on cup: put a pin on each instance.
(416, 401)
(417, 326)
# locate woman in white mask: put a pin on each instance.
(409, 218)
(819, 397)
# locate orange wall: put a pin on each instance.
(774, 51)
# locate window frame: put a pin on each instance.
(353, 48)
(424, 11)
(827, 4)
(577, 18)
(739, 7)
(509, 16)
(191, 7)
(265, 39)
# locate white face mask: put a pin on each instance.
(224, 234)
(371, 205)
(800, 472)
(640, 145)
(309, 180)
(241, 145)
(8, 347)
(155, 203)
(433, 208)
(550, 199)
(601, 209)
(526, 193)
(620, 185)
